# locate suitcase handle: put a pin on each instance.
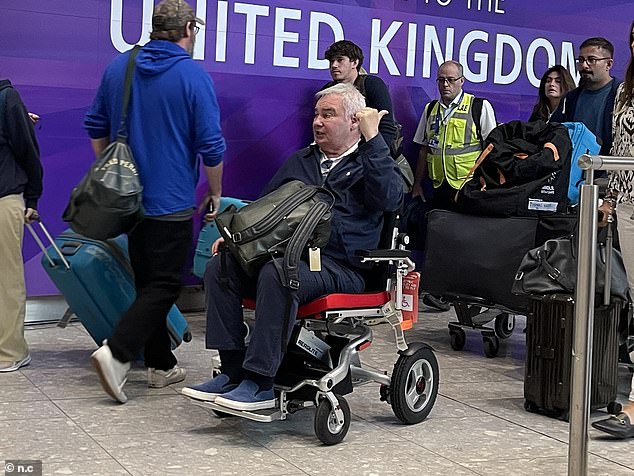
(69, 248)
(51, 241)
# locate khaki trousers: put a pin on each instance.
(13, 347)
(626, 238)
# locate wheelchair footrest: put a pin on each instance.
(265, 416)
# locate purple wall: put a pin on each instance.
(265, 59)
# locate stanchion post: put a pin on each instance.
(583, 324)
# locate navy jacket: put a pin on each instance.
(20, 167)
(365, 184)
(566, 110)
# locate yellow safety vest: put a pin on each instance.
(454, 146)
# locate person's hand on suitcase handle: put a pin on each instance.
(31, 216)
(212, 203)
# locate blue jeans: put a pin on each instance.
(225, 289)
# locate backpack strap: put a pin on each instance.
(359, 83)
(476, 113)
(430, 108)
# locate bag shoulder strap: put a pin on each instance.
(430, 108)
(122, 134)
(299, 240)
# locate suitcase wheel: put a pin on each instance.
(491, 346)
(530, 406)
(614, 408)
(187, 337)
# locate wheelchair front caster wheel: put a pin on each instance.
(491, 346)
(414, 385)
(328, 428)
(457, 339)
(504, 325)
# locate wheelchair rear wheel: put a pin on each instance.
(414, 386)
(328, 428)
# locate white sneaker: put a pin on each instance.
(112, 373)
(13, 366)
(162, 378)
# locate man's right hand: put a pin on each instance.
(417, 191)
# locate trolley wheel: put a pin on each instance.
(328, 428)
(414, 386)
(530, 406)
(614, 408)
(457, 339)
(187, 337)
(491, 346)
(504, 325)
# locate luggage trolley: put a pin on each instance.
(472, 260)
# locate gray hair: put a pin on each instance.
(353, 100)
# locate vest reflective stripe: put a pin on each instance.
(456, 144)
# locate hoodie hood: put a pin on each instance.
(158, 56)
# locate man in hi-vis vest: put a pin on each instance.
(451, 133)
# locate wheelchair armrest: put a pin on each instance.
(370, 255)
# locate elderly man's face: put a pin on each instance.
(334, 131)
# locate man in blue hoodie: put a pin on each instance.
(173, 119)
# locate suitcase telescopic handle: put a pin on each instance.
(51, 241)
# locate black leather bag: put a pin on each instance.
(283, 222)
(107, 202)
(552, 268)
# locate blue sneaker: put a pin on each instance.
(248, 397)
(208, 391)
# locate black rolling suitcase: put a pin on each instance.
(549, 338)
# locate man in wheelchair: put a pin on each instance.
(350, 159)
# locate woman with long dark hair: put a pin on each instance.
(621, 194)
(554, 85)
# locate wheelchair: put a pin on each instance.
(322, 363)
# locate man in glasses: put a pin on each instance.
(593, 101)
(451, 134)
(173, 119)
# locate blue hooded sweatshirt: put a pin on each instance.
(173, 118)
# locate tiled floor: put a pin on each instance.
(55, 411)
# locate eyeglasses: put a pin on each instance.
(442, 80)
(195, 28)
(591, 60)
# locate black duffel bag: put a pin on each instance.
(552, 268)
(284, 222)
(107, 202)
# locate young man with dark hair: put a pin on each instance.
(346, 60)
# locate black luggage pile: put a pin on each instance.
(516, 199)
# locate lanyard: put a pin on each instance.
(438, 120)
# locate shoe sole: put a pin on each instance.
(198, 395)
(105, 384)
(165, 383)
(18, 366)
(613, 432)
(245, 406)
